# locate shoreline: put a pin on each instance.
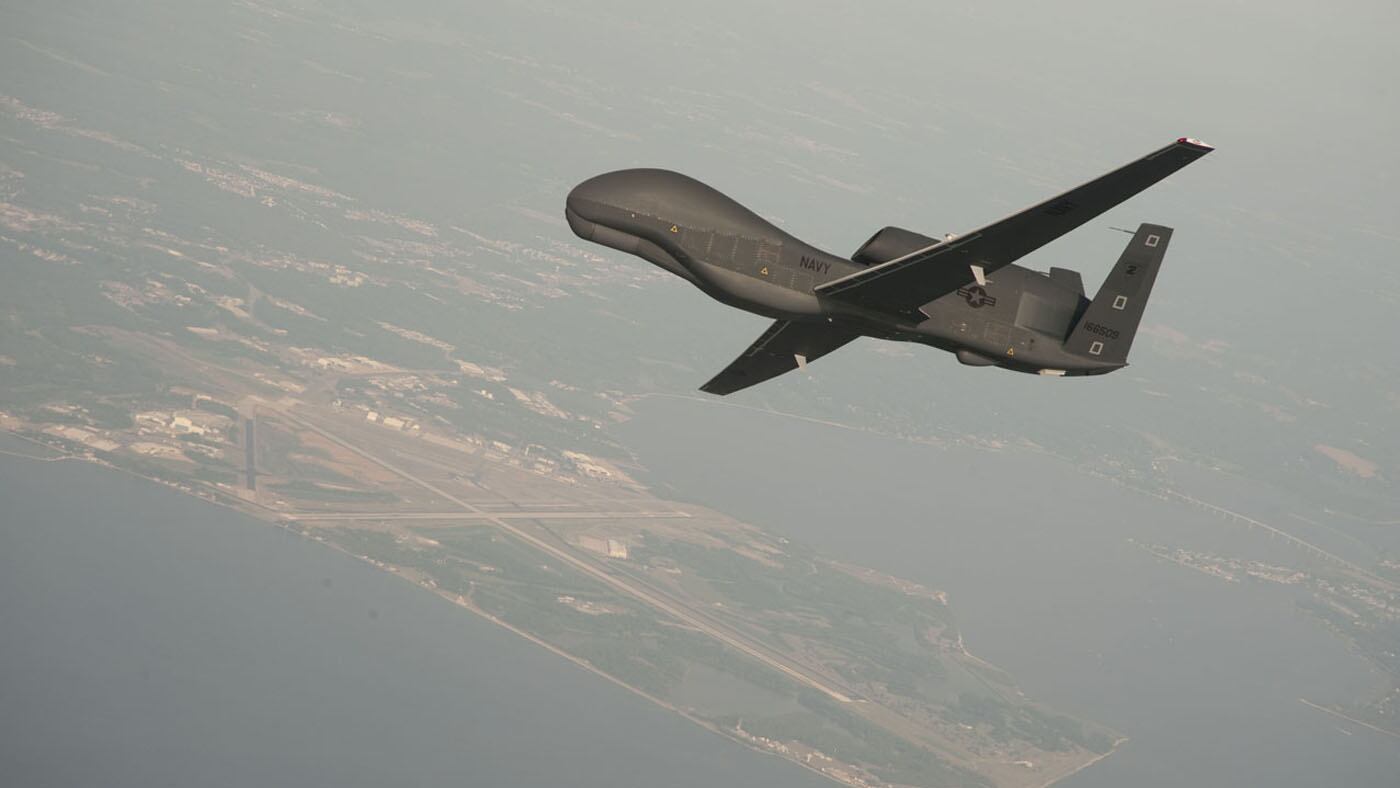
(256, 511)
(1348, 718)
(1116, 744)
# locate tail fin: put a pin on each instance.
(1105, 331)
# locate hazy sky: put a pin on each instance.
(833, 121)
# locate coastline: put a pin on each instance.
(252, 509)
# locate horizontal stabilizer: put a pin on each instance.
(785, 346)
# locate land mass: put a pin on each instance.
(854, 674)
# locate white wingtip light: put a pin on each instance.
(1196, 142)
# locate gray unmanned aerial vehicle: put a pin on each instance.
(899, 285)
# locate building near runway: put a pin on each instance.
(610, 548)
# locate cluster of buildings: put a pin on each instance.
(169, 435)
(393, 422)
(84, 436)
(188, 422)
(588, 466)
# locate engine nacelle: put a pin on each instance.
(890, 243)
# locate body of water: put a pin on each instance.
(150, 639)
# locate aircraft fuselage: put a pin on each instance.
(1019, 319)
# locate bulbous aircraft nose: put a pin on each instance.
(581, 226)
(622, 191)
(599, 188)
(592, 209)
(582, 204)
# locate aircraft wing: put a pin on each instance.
(785, 346)
(906, 283)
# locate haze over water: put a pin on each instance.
(149, 638)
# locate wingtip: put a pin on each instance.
(1195, 143)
